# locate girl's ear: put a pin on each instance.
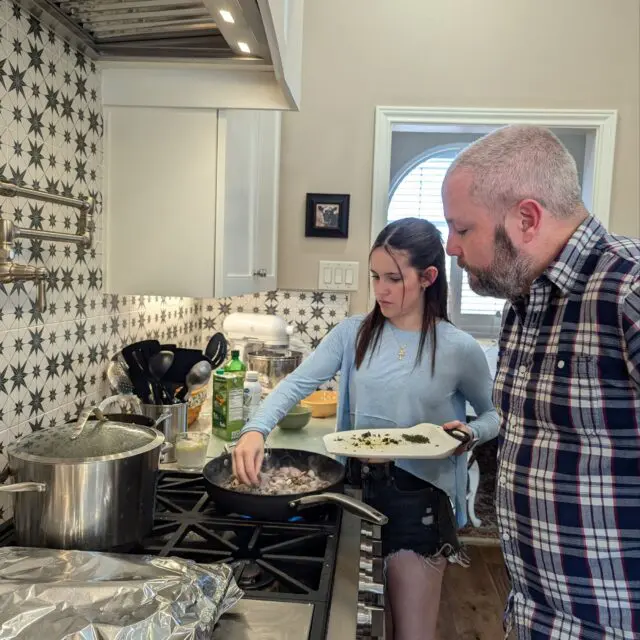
(429, 276)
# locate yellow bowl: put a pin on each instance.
(196, 402)
(323, 404)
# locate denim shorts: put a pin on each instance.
(420, 515)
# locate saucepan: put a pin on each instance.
(218, 472)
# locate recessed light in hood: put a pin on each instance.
(226, 16)
(151, 29)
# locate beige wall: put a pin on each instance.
(461, 53)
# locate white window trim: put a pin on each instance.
(601, 123)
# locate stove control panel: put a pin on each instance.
(370, 585)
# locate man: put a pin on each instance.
(567, 387)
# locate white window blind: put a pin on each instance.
(418, 194)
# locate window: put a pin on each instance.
(416, 193)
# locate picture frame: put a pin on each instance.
(327, 215)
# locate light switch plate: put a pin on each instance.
(338, 276)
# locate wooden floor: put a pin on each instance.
(473, 599)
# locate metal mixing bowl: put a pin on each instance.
(272, 365)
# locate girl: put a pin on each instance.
(402, 364)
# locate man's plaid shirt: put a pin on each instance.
(568, 486)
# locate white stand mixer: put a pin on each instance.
(268, 334)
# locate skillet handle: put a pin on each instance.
(356, 507)
(459, 435)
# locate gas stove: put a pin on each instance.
(289, 562)
(286, 570)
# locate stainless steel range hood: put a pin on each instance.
(229, 30)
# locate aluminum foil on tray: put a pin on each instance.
(82, 595)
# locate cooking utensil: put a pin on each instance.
(282, 507)
(136, 356)
(197, 376)
(95, 492)
(216, 350)
(174, 421)
(273, 365)
(424, 441)
(118, 377)
(159, 364)
(183, 361)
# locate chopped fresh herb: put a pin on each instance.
(416, 438)
(369, 439)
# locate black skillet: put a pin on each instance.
(283, 507)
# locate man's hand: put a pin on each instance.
(456, 424)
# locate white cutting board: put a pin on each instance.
(390, 443)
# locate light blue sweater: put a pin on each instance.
(391, 392)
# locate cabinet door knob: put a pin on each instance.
(260, 273)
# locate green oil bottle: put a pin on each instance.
(228, 399)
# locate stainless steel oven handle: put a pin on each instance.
(356, 507)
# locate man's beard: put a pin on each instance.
(509, 275)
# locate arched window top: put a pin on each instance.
(416, 192)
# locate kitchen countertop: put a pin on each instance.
(258, 619)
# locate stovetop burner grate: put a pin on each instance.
(288, 561)
(275, 561)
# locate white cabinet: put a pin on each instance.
(191, 199)
(247, 201)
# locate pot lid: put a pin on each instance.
(99, 439)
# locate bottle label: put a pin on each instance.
(236, 405)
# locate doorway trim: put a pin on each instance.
(601, 124)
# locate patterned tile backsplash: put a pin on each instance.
(312, 314)
(54, 362)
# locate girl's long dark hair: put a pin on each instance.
(422, 243)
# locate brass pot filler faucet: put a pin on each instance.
(11, 271)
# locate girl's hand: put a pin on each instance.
(247, 458)
(456, 424)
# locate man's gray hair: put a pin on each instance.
(519, 162)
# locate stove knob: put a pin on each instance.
(371, 547)
(370, 622)
(367, 585)
(366, 565)
(366, 548)
(368, 530)
(371, 600)
(373, 567)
